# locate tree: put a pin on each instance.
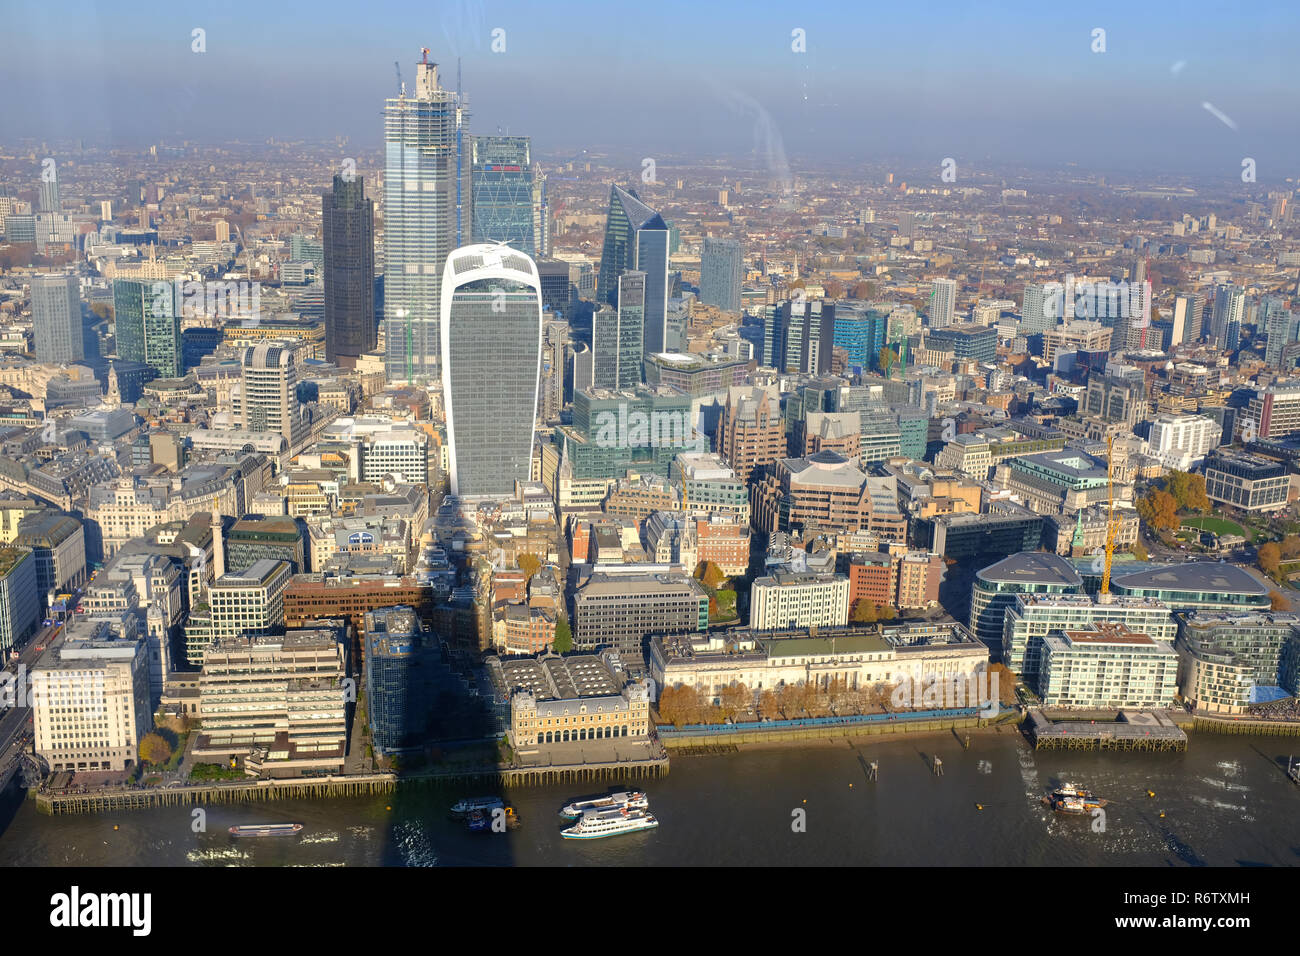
(1269, 558)
(735, 700)
(1139, 551)
(863, 290)
(888, 359)
(1159, 510)
(529, 564)
(563, 642)
(834, 288)
(710, 575)
(768, 706)
(154, 749)
(1188, 491)
(864, 612)
(1276, 601)
(1291, 546)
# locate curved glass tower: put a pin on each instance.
(492, 351)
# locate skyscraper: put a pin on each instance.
(636, 238)
(57, 325)
(1227, 317)
(266, 398)
(503, 192)
(147, 324)
(49, 197)
(943, 303)
(1033, 312)
(492, 344)
(720, 273)
(1186, 320)
(348, 218)
(425, 216)
(616, 336)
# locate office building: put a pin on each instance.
(1183, 441)
(1230, 661)
(827, 492)
(620, 609)
(426, 215)
(1187, 320)
(503, 193)
(90, 699)
(616, 336)
(636, 239)
(943, 303)
(57, 326)
(147, 325)
(862, 332)
(251, 601)
(266, 398)
(19, 596)
(721, 268)
(1272, 413)
(966, 342)
(788, 600)
(492, 345)
(1036, 315)
(402, 670)
(751, 432)
(348, 219)
(1081, 335)
(580, 697)
(1248, 482)
(275, 704)
(997, 586)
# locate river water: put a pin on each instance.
(1226, 802)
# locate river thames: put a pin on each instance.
(1225, 802)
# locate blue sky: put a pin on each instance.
(1007, 82)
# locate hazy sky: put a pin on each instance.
(1012, 82)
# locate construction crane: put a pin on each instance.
(401, 87)
(1112, 530)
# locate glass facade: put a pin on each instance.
(617, 336)
(148, 325)
(504, 192)
(424, 218)
(56, 319)
(349, 266)
(721, 265)
(861, 333)
(636, 238)
(492, 332)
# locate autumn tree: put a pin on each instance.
(834, 288)
(863, 290)
(1276, 601)
(155, 749)
(735, 700)
(888, 359)
(864, 612)
(529, 564)
(1188, 491)
(1139, 551)
(768, 706)
(1269, 558)
(1291, 546)
(1159, 510)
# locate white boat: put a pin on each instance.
(265, 829)
(597, 824)
(622, 800)
(1293, 770)
(470, 804)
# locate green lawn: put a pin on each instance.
(1217, 525)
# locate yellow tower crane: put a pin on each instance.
(1112, 530)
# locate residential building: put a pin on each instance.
(1106, 665)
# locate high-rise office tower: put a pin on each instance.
(541, 214)
(720, 273)
(266, 398)
(49, 197)
(943, 303)
(636, 238)
(1186, 320)
(147, 324)
(1034, 316)
(491, 347)
(503, 192)
(348, 220)
(555, 336)
(426, 214)
(616, 336)
(556, 287)
(1283, 329)
(1228, 315)
(57, 324)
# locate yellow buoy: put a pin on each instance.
(979, 806)
(388, 808)
(1151, 793)
(114, 826)
(1162, 814)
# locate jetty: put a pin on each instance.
(1132, 730)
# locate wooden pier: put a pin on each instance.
(1142, 731)
(103, 799)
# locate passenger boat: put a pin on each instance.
(597, 824)
(1293, 770)
(1071, 799)
(622, 800)
(266, 829)
(470, 804)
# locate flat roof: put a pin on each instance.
(1193, 576)
(1033, 567)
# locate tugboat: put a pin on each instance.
(485, 819)
(478, 821)
(622, 800)
(597, 824)
(1069, 798)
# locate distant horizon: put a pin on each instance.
(1167, 96)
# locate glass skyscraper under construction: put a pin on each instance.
(426, 214)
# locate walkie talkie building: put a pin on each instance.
(491, 348)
